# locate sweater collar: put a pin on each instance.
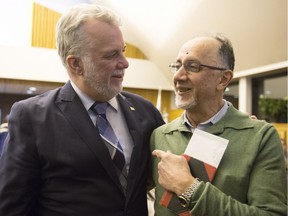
(233, 118)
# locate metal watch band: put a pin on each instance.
(185, 197)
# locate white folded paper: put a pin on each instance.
(206, 147)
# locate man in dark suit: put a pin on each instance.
(55, 161)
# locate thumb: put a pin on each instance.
(158, 153)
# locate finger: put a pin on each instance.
(158, 153)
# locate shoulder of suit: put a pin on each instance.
(136, 99)
(127, 95)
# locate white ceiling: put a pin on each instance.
(257, 28)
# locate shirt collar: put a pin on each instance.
(88, 101)
(215, 118)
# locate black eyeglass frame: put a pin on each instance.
(197, 67)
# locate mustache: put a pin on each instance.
(118, 73)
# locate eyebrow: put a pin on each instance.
(179, 61)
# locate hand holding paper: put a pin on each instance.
(203, 153)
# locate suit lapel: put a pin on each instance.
(133, 121)
(130, 114)
(75, 113)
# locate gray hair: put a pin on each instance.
(226, 50)
(70, 37)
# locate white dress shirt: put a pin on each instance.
(116, 119)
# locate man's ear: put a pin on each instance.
(225, 79)
(74, 64)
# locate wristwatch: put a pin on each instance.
(185, 197)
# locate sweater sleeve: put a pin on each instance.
(265, 187)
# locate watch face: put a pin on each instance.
(183, 201)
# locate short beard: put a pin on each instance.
(185, 105)
(95, 81)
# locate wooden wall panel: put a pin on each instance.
(43, 31)
(43, 26)
(134, 52)
(282, 129)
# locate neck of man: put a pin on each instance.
(202, 113)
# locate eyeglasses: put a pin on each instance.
(191, 66)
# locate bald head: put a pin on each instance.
(216, 47)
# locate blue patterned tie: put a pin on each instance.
(111, 141)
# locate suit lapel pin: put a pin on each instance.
(132, 108)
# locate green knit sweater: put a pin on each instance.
(251, 177)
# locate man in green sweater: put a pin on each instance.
(251, 177)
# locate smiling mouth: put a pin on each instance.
(118, 76)
(183, 90)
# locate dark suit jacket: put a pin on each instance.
(55, 162)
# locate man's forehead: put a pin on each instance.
(198, 45)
